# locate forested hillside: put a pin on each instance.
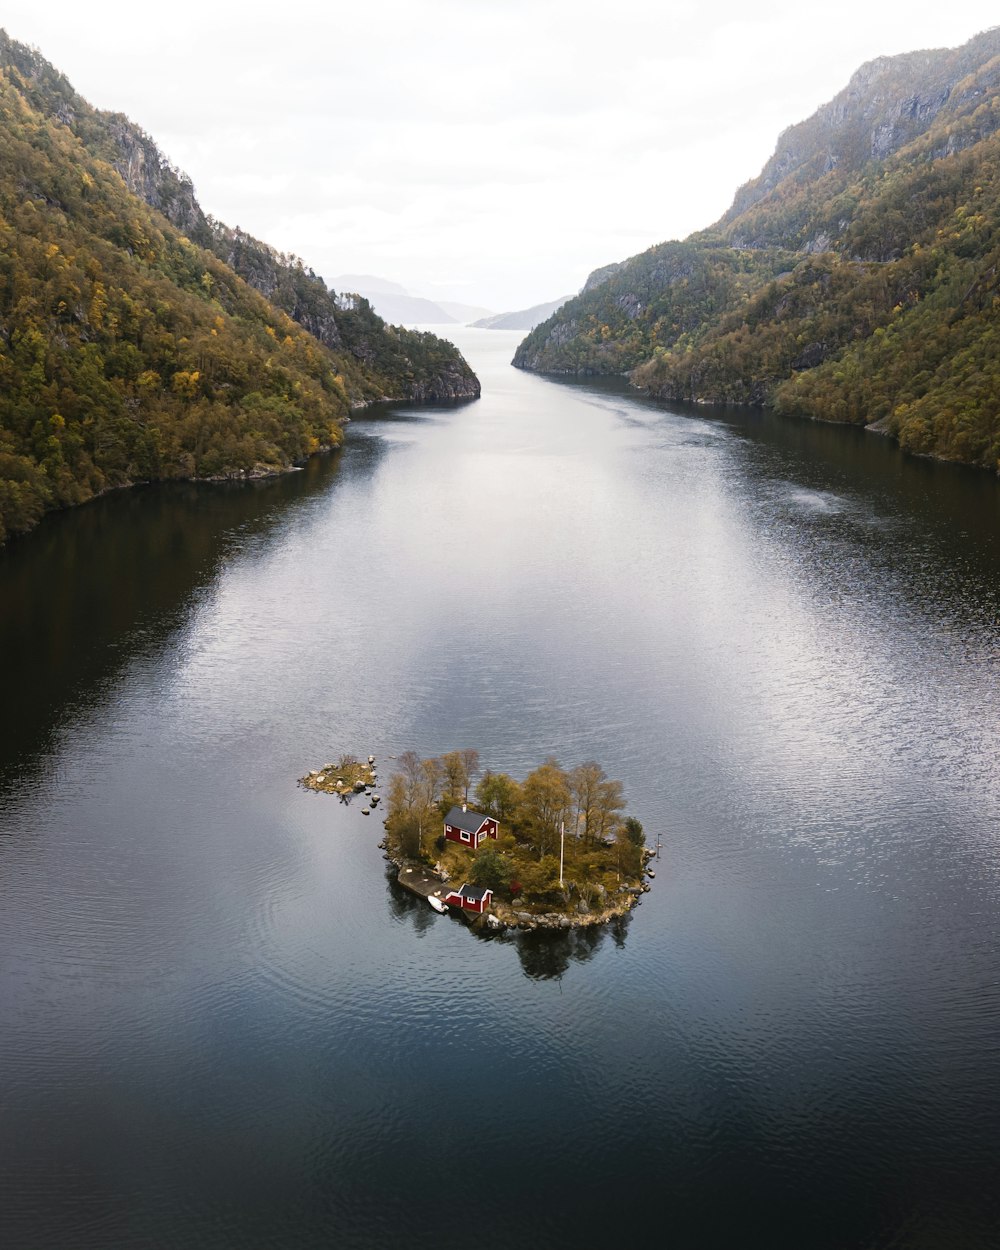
(140, 340)
(855, 280)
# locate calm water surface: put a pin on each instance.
(222, 1026)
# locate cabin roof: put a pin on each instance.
(469, 820)
(474, 893)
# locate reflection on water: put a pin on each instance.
(97, 586)
(544, 955)
(404, 906)
(223, 1023)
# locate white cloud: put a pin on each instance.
(512, 145)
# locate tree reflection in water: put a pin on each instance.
(405, 905)
(544, 954)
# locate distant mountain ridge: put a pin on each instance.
(464, 313)
(140, 339)
(398, 307)
(856, 279)
(525, 319)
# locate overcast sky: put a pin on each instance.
(491, 151)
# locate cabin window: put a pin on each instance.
(465, 836)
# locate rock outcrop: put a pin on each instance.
(888, 103)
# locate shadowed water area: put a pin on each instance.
(221, 1024)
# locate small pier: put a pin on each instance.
(420, 880)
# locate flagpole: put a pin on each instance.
(562, 841)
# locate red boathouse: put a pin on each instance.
(470, 898)
(469, 828)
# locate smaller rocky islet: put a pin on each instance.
(346, 778)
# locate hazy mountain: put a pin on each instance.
(525, 319)
(466, 313)
(398, 306)
(394, 303)
(856, 279)
(368, 284)
(140, 339)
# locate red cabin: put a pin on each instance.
(469, 828)
(470, 898)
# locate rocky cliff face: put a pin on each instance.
(887, 104)
(451, 382)
(542, 354)
(283, 280)
(600, 276)
(147, 174)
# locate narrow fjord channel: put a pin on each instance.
(221, 1025)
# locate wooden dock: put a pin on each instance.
(422, 881)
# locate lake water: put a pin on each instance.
(221, 1025)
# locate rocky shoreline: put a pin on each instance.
(415, 876)
(509, 917)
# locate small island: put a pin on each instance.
(553, 851)
(347, 777)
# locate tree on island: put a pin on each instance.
(459, 768)
(498, 795)
(545, 805)
(631, 841)
(491, 868)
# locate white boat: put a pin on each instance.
(436, 903)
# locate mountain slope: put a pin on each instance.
(141, 340)
(284, 280)
(854, 280)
